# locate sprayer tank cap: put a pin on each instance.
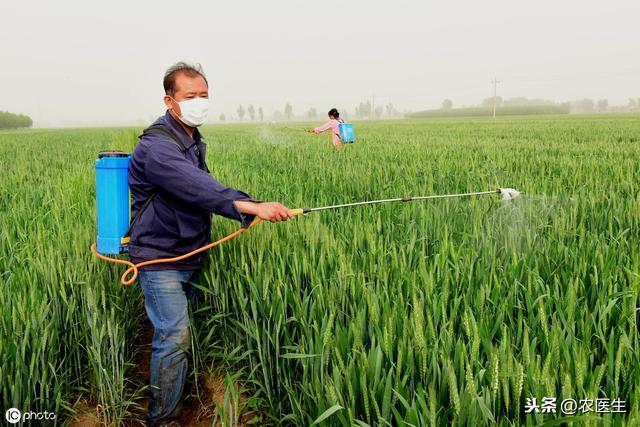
(102, 154)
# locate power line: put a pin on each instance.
(477, 86)
(495, 92)
(550, 78)
(575, 76)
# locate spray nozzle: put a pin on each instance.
(509, 193)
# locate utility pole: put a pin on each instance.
(373, 106)
(495, 91)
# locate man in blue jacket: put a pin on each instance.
(173, 197)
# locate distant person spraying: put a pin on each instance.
(342, 133)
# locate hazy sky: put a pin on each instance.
(73, 62)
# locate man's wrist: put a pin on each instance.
(246, 207)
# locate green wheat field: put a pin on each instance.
(446, 312)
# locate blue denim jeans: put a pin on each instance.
(166, 294)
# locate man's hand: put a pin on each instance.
(273, 211)
(268, 211)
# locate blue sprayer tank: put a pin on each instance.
(347, 136)
(112, 201)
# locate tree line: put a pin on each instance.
(14, 121)
(578, 106)
(365, 110)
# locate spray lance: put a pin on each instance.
(507, 194)
(112, 202)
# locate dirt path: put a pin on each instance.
(196, 412)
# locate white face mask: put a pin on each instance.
(194, 111)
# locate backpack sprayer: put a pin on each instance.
(112, 201)
(345, 132)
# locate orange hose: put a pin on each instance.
(133, 268)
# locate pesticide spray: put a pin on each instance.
(112, 201)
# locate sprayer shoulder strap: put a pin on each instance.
(162, 130)
(340, 122)
(153, 130)
(125, 238)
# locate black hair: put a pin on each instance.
(334, 113)
(191, 70)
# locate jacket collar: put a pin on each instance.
(179, 130)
